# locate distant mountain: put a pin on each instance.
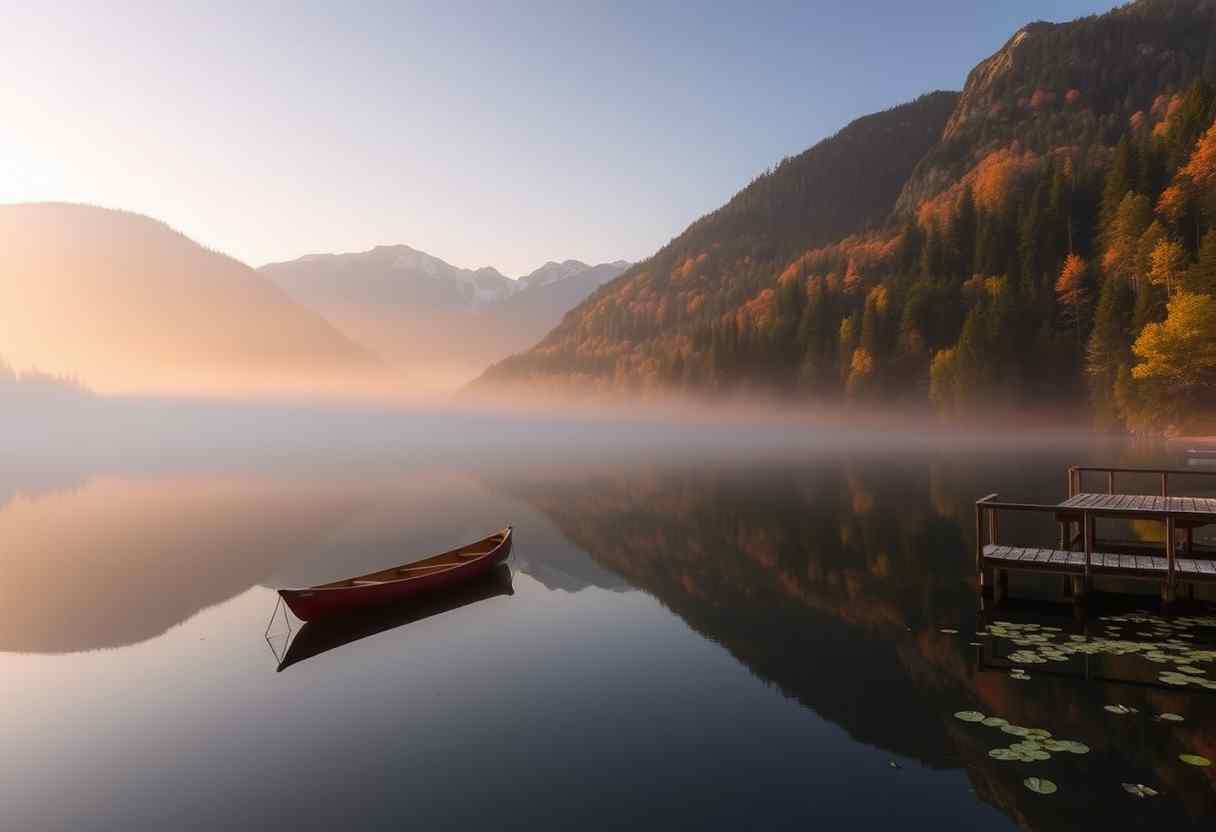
(553, 272)
(387, 276)
(1021, 243)
(122, 302)
(440, 325)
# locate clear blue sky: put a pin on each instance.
(500, 134)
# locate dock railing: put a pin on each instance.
(1075, 473)
(987, 519)
(987, 524)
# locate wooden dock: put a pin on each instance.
(1081, 556)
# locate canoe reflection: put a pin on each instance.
(317, 637)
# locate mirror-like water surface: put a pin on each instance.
(684, 643)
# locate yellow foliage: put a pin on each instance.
(1167, 263)
(878, 297)
(846, 330)
(862, 363)
(1180, 351)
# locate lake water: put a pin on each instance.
(753, 639)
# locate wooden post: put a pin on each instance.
(1076, 587)
(979, 545)
(1088, 535)
(1168, 594)
(1110, 482)
(1165, 484)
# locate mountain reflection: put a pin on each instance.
(833, 582)
(109, 561)
(117, 561)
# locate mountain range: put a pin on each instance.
(122, 303)
(437, 324)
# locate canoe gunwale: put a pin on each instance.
(347, 584)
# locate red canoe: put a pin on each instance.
(400, 582)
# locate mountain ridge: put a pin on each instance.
(1028, 255)
(439, 324)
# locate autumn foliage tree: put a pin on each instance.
(1176, 374)
(1167, 263)
(1072, 291)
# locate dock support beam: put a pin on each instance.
(1077, 586)
(1168, 590)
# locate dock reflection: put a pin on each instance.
(316, 637)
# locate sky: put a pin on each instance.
(503, 134)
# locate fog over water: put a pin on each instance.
(724, 617)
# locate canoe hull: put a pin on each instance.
(320, 602)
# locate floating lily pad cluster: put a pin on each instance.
(1139, 790)
(1155, 639)
(1034, 744)
(1040, 785)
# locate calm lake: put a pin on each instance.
(757, 638)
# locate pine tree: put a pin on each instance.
(1109, 346)
(1202, 276)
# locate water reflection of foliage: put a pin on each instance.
(833, 583)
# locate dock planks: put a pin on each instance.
(1082, 555)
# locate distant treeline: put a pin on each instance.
(32, 384)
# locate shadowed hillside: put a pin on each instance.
(124, 303)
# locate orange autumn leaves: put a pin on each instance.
(990, 181)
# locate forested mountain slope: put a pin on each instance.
(843, 183)
(1046, 237)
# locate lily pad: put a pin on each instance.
(1121, 710)
(1016, 730)
(969, 716)
(995, 722)
(1171, 717)
(949, 630)
(1195, 760)
(1139, 790)
(1003, 754)
(1040, 785)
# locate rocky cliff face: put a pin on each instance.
(1074, 85)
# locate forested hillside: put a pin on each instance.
(1047, 237)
